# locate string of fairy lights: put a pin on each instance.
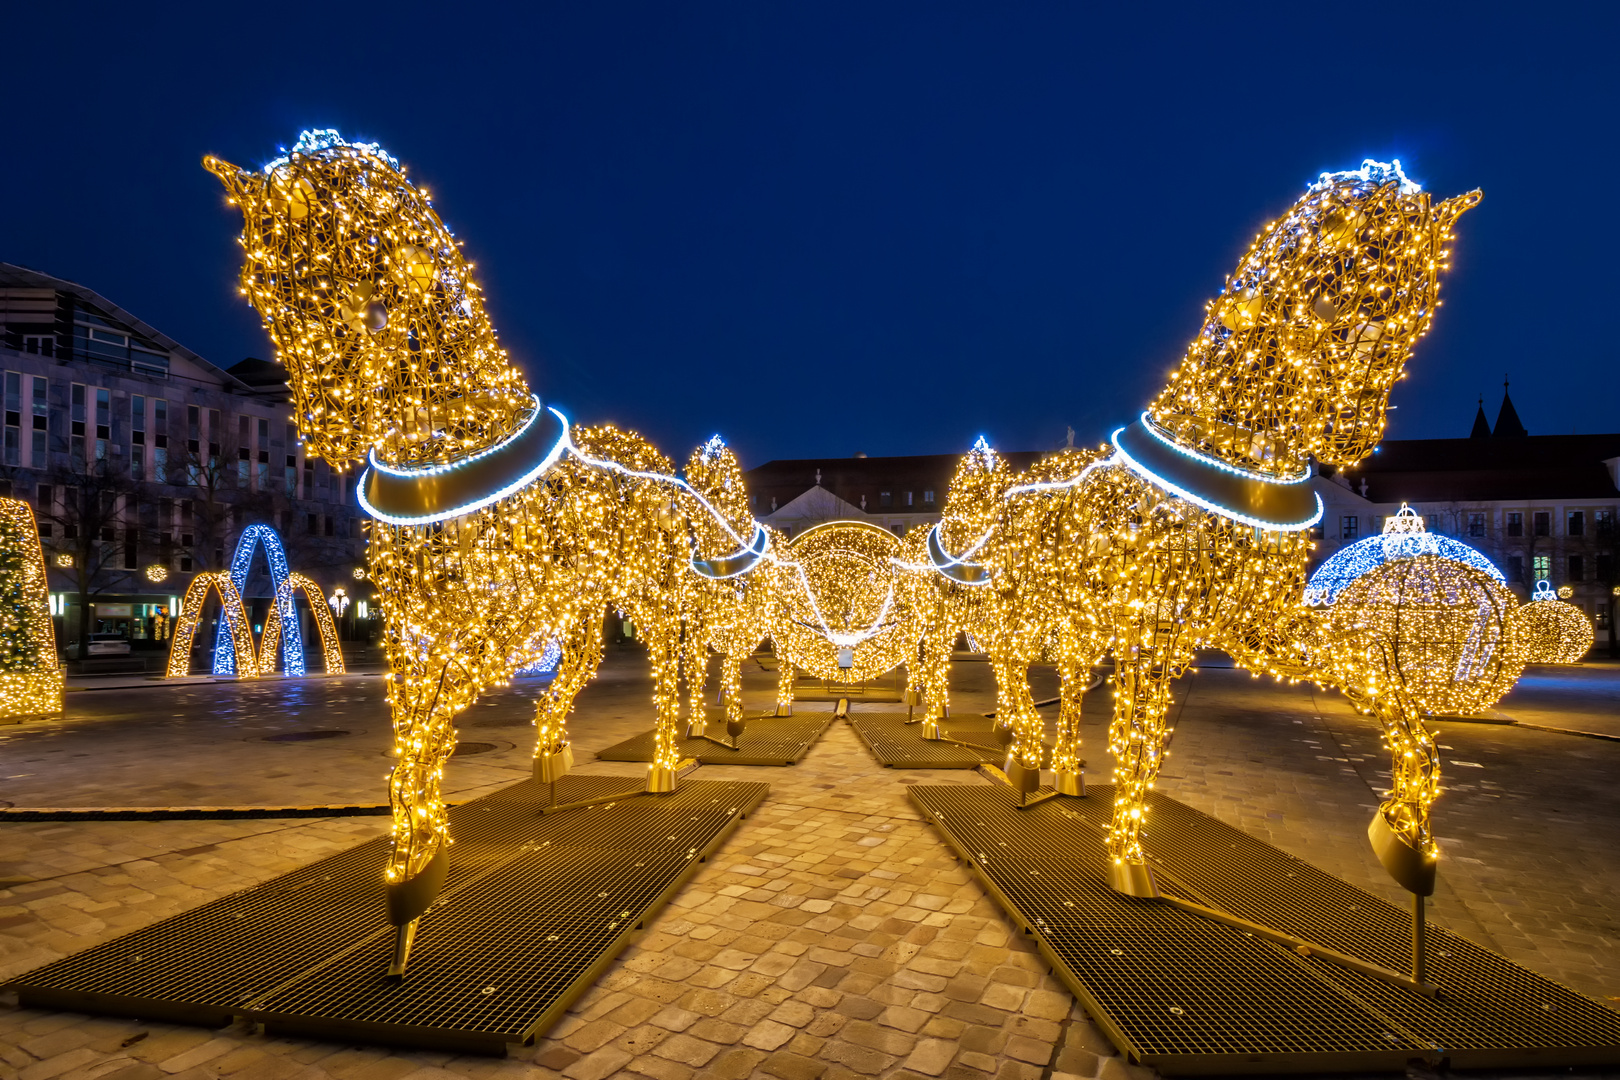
(500, 532)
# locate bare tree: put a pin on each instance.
(89, 521)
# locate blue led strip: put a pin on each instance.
(292, 639)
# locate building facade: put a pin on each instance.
(144, 461)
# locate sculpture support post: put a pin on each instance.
(1420, 940)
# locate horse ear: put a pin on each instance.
(236, 180)
(1452, 209)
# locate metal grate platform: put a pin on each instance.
(1190, 996)
(767, 740)
(534, 910)
(899, 745)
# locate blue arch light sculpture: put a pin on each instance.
(1403, 537)
(292, 638)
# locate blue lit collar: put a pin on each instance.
(954, 568)
(1261, 502)
(739, 562)
(435, 493)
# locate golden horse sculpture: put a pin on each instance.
(1191, 530)
(496, 528)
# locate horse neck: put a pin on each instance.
(1251, 423)
(467, 406)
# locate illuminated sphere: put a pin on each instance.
(839, 591)
(1565, 592)
(1554, 632)
(1439, 630)
(157, 572)
(359, 573)
(65, 561)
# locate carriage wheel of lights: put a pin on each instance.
(1191, 530)
(30, 677)
(285, 603)
(1554, 632)
(844, 610)
(495, 526)
(233, 619)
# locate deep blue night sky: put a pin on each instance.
(826, 228)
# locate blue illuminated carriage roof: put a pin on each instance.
(1403, 538)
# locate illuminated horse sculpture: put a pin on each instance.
(1022, 614)
(730, 606)
(1191, 532)
(496, 529)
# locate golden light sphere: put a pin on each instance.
(1554, 632)
(1431, 628)
(359, 573)
(65, 561)
(157, 572)
(1565, 592)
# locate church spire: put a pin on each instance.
(1482, 426)
(1507, 419)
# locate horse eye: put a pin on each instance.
(376, 316)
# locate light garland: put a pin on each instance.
(291, 636)
(844, 610)
(270, 640)
(1554, 632)
(30, 677)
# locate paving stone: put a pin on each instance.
(931, 1056)
(768, 1035)
(791, 1066)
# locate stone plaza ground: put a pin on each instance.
(834, 935)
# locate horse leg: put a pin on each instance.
(731, 690)
(1018, 725)
(664, 652)
(581, 656)
(424, 736)
(695, 662)
(1136, 738)
(1400, 831)
(936, 679)
(1068, 767)
(784, 685)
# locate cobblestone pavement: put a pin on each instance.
(833, 936)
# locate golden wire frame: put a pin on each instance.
(31, 679)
